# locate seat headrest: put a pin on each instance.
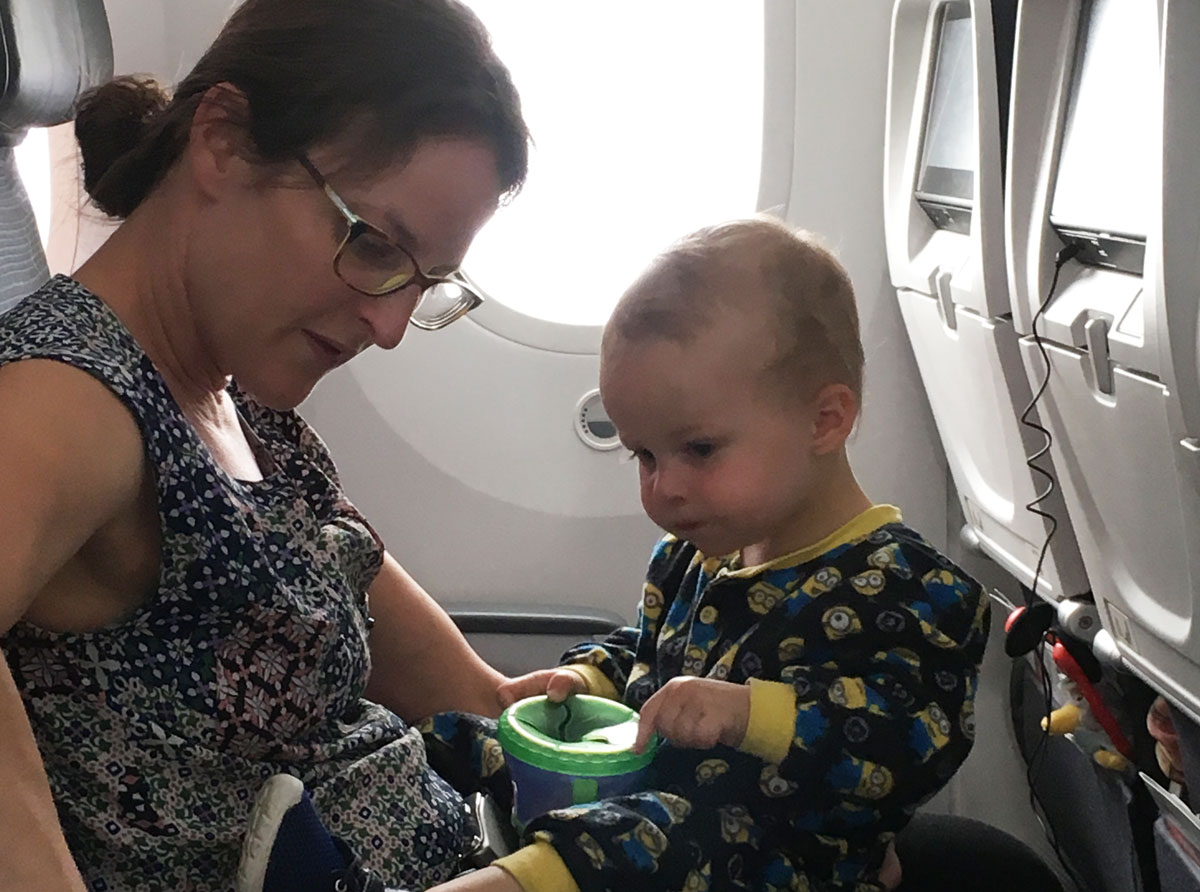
(52, 51)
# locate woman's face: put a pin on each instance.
(264, 291)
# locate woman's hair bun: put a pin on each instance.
(112, 125)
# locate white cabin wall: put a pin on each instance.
(837, 191)
(459, 447)
(163, 37)
(525, 549)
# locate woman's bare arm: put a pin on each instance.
(421, 663)
(35, 852)
(70, 459)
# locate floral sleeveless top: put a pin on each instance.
(251, 657)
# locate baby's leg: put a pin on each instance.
(649, 841)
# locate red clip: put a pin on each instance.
(1067, 665)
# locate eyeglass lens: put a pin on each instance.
(371, 263)
(441, 301)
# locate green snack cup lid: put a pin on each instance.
(582, 736)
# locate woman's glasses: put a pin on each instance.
(371, 263)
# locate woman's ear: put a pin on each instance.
(835, 409)
(219, 145)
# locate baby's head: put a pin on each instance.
(733, 368)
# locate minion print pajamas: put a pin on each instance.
(862, 655)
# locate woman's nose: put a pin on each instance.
(388, 315)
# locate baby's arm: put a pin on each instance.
(490, 879)
(557, 684)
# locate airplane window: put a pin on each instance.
(33, 164)
(647, 120)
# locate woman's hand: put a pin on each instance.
(557, 684)
(696, 713)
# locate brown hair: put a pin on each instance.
(387, 73)
(807, 292)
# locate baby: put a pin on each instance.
(810, 660)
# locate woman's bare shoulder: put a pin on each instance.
(71, 460)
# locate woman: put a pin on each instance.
(183, 586)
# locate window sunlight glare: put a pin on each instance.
(33, 165)
(647, 122)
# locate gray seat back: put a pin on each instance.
(51, 51)
(22, 261)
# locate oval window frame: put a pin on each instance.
(774, 190)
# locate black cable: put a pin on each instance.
(1060, 259)
(1038, 755)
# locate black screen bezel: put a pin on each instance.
(944, 192)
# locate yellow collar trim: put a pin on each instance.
(857, 528)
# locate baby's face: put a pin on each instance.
(724, 461)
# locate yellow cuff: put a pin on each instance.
(772, 720)
(597, 682)
(538, 868)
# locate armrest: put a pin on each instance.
(512, 619)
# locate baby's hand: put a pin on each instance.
(696, 713)
(557, 684)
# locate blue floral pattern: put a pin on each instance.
(250, 658)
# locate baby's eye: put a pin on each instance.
(641, 456)
(700, 448)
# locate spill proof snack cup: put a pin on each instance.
(569, 753)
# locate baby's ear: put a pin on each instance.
(835, 409)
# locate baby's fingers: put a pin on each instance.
(647, 725)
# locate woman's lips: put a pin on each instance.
(327, 349)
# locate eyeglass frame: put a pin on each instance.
(356, 226)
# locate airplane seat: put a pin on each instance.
(1177, 828)
(944, 195)
(22, 262)
(542, 634)
(1101, 233)
(1099, 819)
(52, 51)
(1101, 191)
(949, 852)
